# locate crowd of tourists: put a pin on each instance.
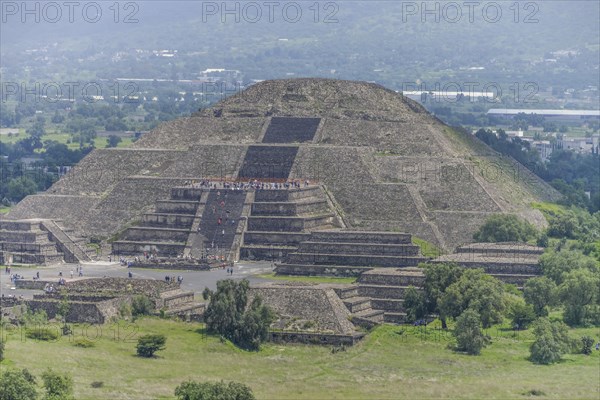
(254, 184)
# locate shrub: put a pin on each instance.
(46, 334)
(17, 385)
(149, 344)
(1, 349)
(58, 386)
(551, 341)
(587, 343)
(213, 391)
(141, 305)
(84, 343)
(468, 334)
(97, 384)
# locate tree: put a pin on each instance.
(505, 228)
(414, 304)
(227, 314)
(551, 341)
(1, 349)
(437, 278)
(21, 187)
(579, 290)
(556, 264)
(478, 291)
(191, 390)
(58, 386)
(468, 334)
(147, 345)
(520, 313)
(586, 345)
(141, 305)
(540, 292)
(17, 385)
(113, 141)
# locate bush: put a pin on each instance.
(1, 349)
(149, 344)
(58, 386)
(587, 343)
(551, 341)
(505, 228)
(468, 334)
(84, 343)
(17, 385)
(46, 334)
(141, 305)
(213, 391)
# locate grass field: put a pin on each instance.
(392, 362)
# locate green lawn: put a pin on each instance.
(390, 363)
(4, 210)
(308, 279)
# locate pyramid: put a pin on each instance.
(383, 160)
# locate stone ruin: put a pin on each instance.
(98, 300)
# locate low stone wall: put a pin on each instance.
(140, 233)
(276, 238)
(359, 248)
(168, 220)
(319, 270)
(314, 338)
(136, 248)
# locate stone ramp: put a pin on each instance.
(268, 162)
(291, 130)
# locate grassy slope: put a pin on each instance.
(386, 364)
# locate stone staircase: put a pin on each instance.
(281, 219)
(166, 230)
(180, 303)
(350, 253)
(73, 252)
(25, 242)
(360, 307)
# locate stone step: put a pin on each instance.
(174, 221)
(394, 317)
(126, 247)
(265, 252)
(288, 224)
(408, 276)
(347, 292)
(186, 193)
(356, 304)
(34, 259)
(381, 291)
(155, 234)
(388, 305)
(354, 260)
(305, 206)
(371, 314)
(346, 236)
(284, 195)
(176, 206)
(275, 238)
(399, 250)
(320, 270)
